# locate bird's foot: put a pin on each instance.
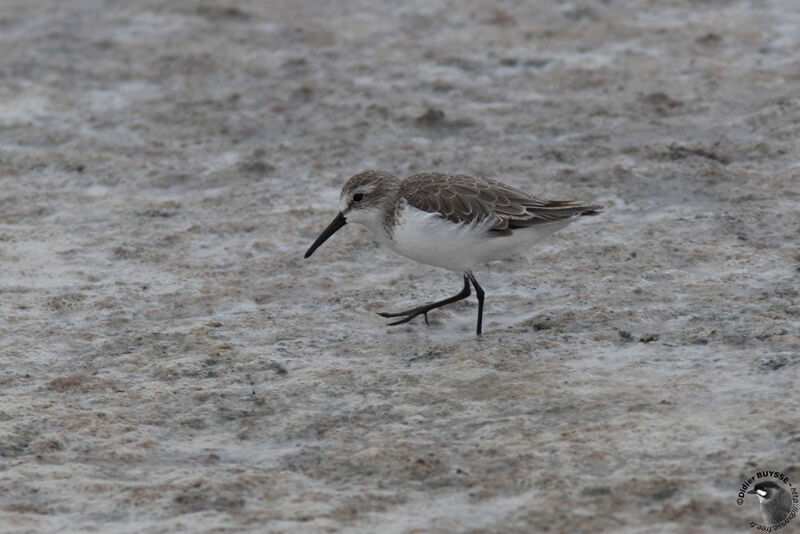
(408, 315)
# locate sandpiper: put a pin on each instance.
(449, 220)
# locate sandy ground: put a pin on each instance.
(172, 364)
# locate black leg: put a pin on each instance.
(479, 293)
(413, 312)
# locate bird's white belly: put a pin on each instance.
(428, 238)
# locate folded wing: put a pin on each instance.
(466, 199)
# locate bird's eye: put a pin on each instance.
(358, 197)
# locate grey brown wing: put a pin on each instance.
(466, 199)
(456, 199)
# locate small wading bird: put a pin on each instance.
(449, 220)
(774, 500)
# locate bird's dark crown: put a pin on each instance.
(767, 486)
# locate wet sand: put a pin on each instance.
(172, 364)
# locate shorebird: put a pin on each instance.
(449, 220)
(775, 501)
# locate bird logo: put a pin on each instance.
(777, 498)
(775, 501)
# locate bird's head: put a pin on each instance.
(766, 490)
(363, 196)
(362, 201)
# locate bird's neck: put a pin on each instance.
(392, 210)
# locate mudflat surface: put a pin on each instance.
(170, 363)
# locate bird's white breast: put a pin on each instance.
(429, 238)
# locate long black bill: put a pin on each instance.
(337, 223)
